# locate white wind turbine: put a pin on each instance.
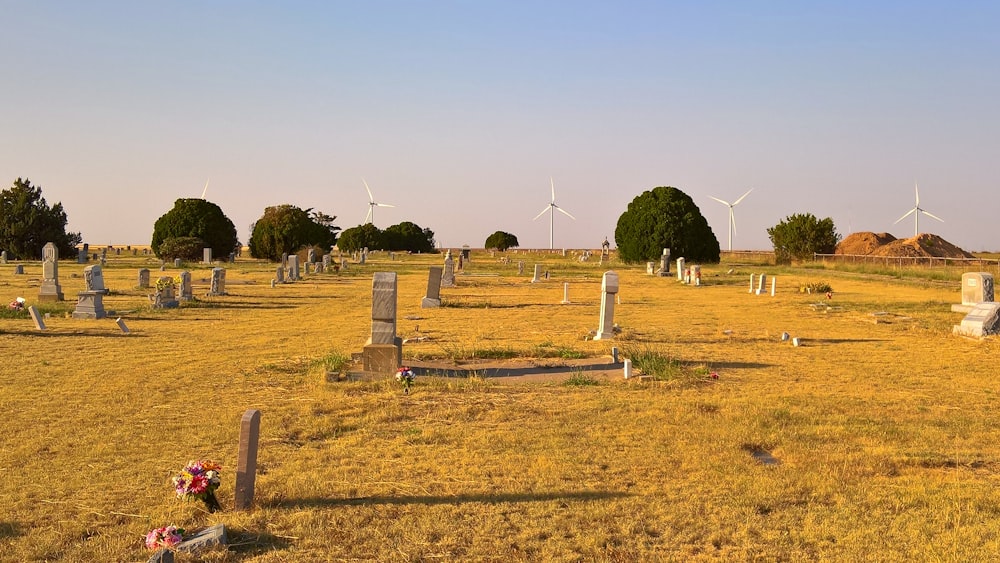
(916, 211)
(205, 191)
(732, 217)
(551, 208)
(370, 218)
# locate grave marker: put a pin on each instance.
(665, 263)
(90, 304)
(246, 465)
(206, 255)
(565, 300)
(433, 296)
(520, 267)
(761, 280)
(293, 268)
(448, 276)
(50, 289)
(36, 317)
(177, 262)
(680, 269)
(977, 287)
(18, 270)
(93, 277)
(982, 320)
(165, 298)
(384, 354)
(3, 257)
(538, 273)
(609, 287)
(218, 282)
(121, 324)
(186, 290)
(143, 278)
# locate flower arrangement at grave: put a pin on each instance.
(405, 376)
(164, 537)
(17, 304)
(166, 282)
(199, 480)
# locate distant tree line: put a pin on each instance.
(403, 237)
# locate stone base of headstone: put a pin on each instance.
(209, 537)
(428, 303)
(90, 305)
(982, 320)
(383, 358)
(50, 292)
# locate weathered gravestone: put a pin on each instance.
(665, 263)
(293, 268)
(3, 257)
(761, 281)
(279, 275)
(121, 324)
(81, 255)
(565, 300)
(177, 262)
(982, 320)
(680, 269)
(165, 296)
(977, 287)
(433, 296)
(50, 290)
(93, 277)
(36, 317)
(538, 273)
(18, 270)
(327, 262)
(448, 275)
(90, 305)
(308, 268)
(751, 283)
(143, 278)
(311, 256)
(696, 274)
(609, 287)
(246, 465)
(218, 286)
(650, 268)
(384, 353)
(520, 267)
(186, 292)
(206, 255)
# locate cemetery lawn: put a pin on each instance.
(881, 428)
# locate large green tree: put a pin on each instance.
(363, 236)
(195, 217)
(665, 217)
(27, 223)
(801, 235)
(408, 236)
(501, 241)
(287, 228)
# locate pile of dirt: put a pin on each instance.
(863, 243)
(884, 244)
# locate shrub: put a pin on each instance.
(665, 217)
(185, 248)
(197, 218)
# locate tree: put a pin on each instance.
(407, 236)
(196, 217)
(27, 223)
(185, 248)
(363, 236)
(287, 228)
(501, 241)
(799, 236)
(665, 217)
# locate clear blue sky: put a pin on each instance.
(458, 112)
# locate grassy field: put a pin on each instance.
(883, 427)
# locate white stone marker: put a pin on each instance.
(36, 317)
(121, 324)
(206, 255)
(628, 368)
(680, 269)
(50, 289)
(565, 300)
(609, 287)
(774, 284)
(751, 283)
(760, 283)
(538, 273)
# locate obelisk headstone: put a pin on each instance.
(433, 296)
(50, 289)
(609, 287)
(384, 353)
(246, 464)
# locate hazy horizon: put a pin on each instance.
(459, 113)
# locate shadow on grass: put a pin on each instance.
(724, 365)
(821, 341)
(49, 332)
(510, 372)
(251, 542)
(587, 496)
(9, 530)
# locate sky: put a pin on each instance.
(461, 112)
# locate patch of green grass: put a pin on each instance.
(334, 362)
(548, 350)
(579, 378)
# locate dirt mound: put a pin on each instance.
(884, 244)
(863, 243)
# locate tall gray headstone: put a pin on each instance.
(218, 286)
(81, 256)
(293, 268)
(609, 287)
(246, 464)
(448, 275)
(520, 267)
(279, 275)
(680, 269)
(311, 255)
(565, 300)
(433, 297)
(384, 354)
(178, 262)
(327, 261)
(93, 277)
(36, 317)
(665, 263)
(761, 282)
(50, 289)
(143, 278)
(206, 255)
(3, 257)
(186, 290)
(538, 273)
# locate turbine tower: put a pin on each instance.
(370, 218)
(732, 217)
(916, 211)
(551, 208)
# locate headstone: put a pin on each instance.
(81, 255)
(650, 268)
(696, 274)
(327, 262)
(564, 252)
(538, 273)
(466, 253)
(284, 259)
(36, 317)
(977, 287)
(165, 296)
(93, 277)
(293, 268)
(680, 269)
(121, 324)
(761, 280)
(50, 289)
(178, 262)
(206, 255)
(627, 368)
(614, 354)
(751, 283)
(246, 465)
(90, 304)
(308, 268)
(982, 320)
(3, 257)
(207, 538)
(186, 291)
(384, 354)
(218, 282)
(609, 287)
(18, 270)
(433, 296)
(520, 267)
(232, 257)
(565, 300)
(364, 256)
(665, 263)
(448, 276)
(605, 249)
(774, 284)
(343, 264)
(279, 275)
(461, 263)
(392, 256)
(311, 255)
(143, 278)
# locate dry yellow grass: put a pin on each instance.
(885, 432)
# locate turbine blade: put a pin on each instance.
(205, 191)
(368, 217)
(932, 216)
(371, 198)
(732, 220)
(564, 212)
(720, 201)
(383, 205)
(542, 213)
(553, 184)
(908, 213)
(916, 192)
(742, 196)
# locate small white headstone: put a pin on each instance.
(628, 368)
(121, 325)
(36, 317)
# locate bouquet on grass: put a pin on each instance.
(165, 537)
(405, 376)
(199, 479)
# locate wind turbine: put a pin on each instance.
(732, 217)
(552, 208)
(205, 191)
(370, 218)
(916, 211)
